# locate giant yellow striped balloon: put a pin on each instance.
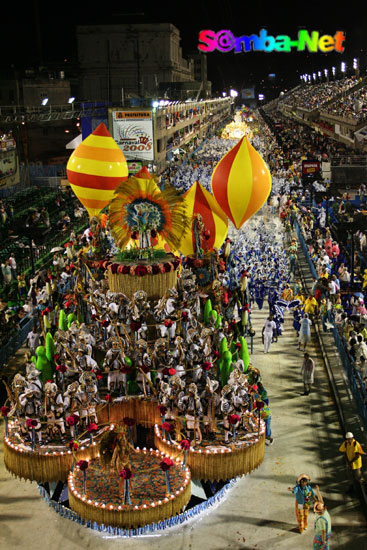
(200, 201)
(95, 169)
(241, 182)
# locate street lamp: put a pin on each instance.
(233, 93)
(343, 67)
(314, 76)
(326, 73)
(44, 101)
(333, 70)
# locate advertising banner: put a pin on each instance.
(133, 133)
(134, 166)
(310, 167)
(248, 93)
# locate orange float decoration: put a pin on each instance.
(95, 169)
(200, 201)
(241, 182)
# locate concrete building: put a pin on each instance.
(121, 62)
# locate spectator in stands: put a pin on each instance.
(6, 272)
(13, 267)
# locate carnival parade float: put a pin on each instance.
(147, 383)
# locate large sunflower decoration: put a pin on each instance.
(141, 211)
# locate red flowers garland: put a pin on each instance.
(31, 423)
(233, 418)
(166, 464)
(167, 426)
(126, 473)
(61, 368)
(92, 427)
(5, 411)
(162, 409)
(139, 270)
(82, 465)
(74, 445)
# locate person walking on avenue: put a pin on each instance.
(304, 496)
(353, 457)
(268, 330)
(307, 372)
(33, 341)
(322, 527)
(304, 332)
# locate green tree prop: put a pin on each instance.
(71, 318)
(43, 365)
(207, 311)
(244, 354)
(63, 323)
(50, 348)
(225, 367)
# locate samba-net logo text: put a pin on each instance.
(225, 41)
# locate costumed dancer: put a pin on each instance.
(304, 496)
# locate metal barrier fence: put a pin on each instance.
(354, 378)
(304, 247)
(16, 340)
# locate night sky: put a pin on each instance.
(57, 32)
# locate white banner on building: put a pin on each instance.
(133, 133)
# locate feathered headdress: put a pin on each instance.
(140, 202)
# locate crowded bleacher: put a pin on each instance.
(313, 96)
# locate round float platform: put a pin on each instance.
(214, 460)
(49, 462)
(103, 504)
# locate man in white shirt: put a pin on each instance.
(268, 329)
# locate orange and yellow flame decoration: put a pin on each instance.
(95, 169)
(200, 201)
(241, 182)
